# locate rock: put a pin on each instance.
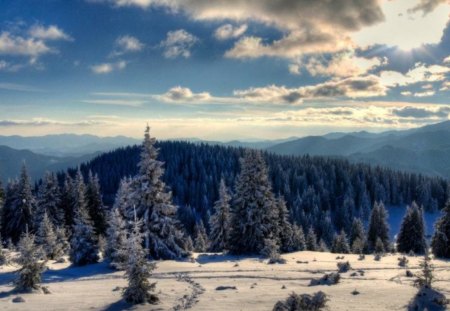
(18, 299)
(226, 288)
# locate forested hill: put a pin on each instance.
(316, 189)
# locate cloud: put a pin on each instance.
(184, 95)
(343, 65)
(178, 43)
(106, 68)
(51, 32)
(419, 113)
(126, 44)
(228, 31)
(419, 73)
(426, 6)
(116, 102)
(16, 45)
(19, 87)
(45, 122)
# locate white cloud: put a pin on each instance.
(51, 32)
(116, 102)
(182, 94)
(228, 31)
(106, 68)
(19, 87)
(178, 43)
(419, 73)
(127, 43)
(16, 45)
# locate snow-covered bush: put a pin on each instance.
(303, 302)
(343, 266)
(327, 279)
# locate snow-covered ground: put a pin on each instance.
(258, 286)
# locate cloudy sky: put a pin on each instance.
(222, 69)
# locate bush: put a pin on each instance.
(304, 302)
(343, 266)
(428, 299)
(327, 279)
(403, 261)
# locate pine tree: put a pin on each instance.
(164, 238)
(29, 275)
(18, 212)
(254, 217)
(357, 237)
(311, 240)
(46, 237)
(201, 238)
(124, 200)
(284, 227)
(67, 202)
(83, 244)
(440, 243)
(116, 240)
(411, 237)
(62, 244)
(298, 238)
(378, 227)
(49, 201)
(426, 277)
(220, 220)
(138, 270)
(340, 243)
(94, 204)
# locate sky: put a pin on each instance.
(222, 69)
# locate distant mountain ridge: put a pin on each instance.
(423, 150)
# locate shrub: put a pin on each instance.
(303, 302)
(343, 266)
(327, 279)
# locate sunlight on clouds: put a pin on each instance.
(406, 30)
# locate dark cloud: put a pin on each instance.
(420, 113)
(426, 6)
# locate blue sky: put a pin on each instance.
(222, 69)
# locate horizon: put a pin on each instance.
(222, 71)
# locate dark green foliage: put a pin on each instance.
(304, 302)
(340, 243)
(411, 237)
(94, 204)
(378, 229)
(440, 244)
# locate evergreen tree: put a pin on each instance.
(440, 243)
(138, 270)
(298, 238)
(378, 227)
(340, 243)
(95, 204)
(124, 200)
(311, 240)
(164, 238)
(254, 217)
(83, 244)
(411, 237)
(201, 238)
(284, 227)
(46, 237)
(67, 202)
(79, 205)
(220, 220)
(62, 244)
(18, 213)
(357, 237)
(49, 201)
(116, 240)
(29, 275)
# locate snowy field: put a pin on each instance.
(253, 284)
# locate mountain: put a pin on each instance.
(11, 161)
(423, 150)
(64, 145)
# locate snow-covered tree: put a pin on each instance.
(378, 227)
(18, 212)
(357, 237)
(219, 222)
(62, 244)
(116, 240)
(311, 240)
(49, 201)
(124, 200)
(29, 274)
(46, 237)
(284, 227)
(340, 243)
(298, 238)
(440, 243)
(79, 205)
(201, 238)
(411, 237)
(94, 204)
(138, 269)
(164, 238)
(67, 202)
(83, 244)
(254, 216)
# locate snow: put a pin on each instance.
(259, 286)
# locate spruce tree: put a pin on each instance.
(138, 269)
(83, 244)
(378, 227)
(220, 220)
(284, 227)
(411, 237)
(46, 237)
(164, 238)
(49, 201)
(357, 237)
(124, 200)
(29, 274)
(18, 214)
(67, 202)
(254, 216)
(62, 244)
(94, 204)
(298, 238)
(311, 240)
(116, 239)
(201, 238)
(340, 243)
(440, 243)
